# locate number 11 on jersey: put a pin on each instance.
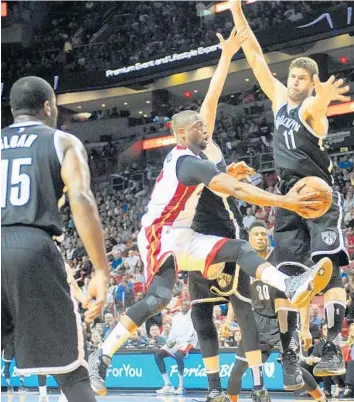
(289, 139)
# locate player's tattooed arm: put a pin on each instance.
(313, 110)
(272, 87)
(229, 47)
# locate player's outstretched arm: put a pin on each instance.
(273, 88)
(293, 201)
(314, 108)
(76, 177)
(229, 47)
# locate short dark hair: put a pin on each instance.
(307, 63)
(28, 95)
(257, 224)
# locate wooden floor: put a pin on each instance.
(139, 397)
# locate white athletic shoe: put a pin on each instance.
(43, 398)
(179, 391)
(167, 389)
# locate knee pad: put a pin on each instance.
(154, 303)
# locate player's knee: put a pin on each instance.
(157, 301)
(203, 320)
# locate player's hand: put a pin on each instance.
(233, 43)
(331, 90)
(240, 170)
(306, 338)
(302, 204)
(97, 293)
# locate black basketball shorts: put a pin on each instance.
(269, 336)
(38, 311)
(304, 241)
(200, 288)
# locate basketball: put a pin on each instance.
(315, 184)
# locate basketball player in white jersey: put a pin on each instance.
(166, 241)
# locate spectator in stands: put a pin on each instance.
(349, 218)
(346, 163)
(156, 340)
(316, 319)
(348, 202)
(95, 343)
(117, 259)
(166, 329)
(132, 260)
(136, 341)
(181, 340)
(80, 250)
(349, 377)
(350, 309)
(249, 218)
(109, 324)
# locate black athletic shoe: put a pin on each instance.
(292, 371)
(216, 395)
(332, 362)
(260, 395)
(98, 364)
(348, 392)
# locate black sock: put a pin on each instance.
(214, 381)
(335, 313)
(257, 374)
(289, 339)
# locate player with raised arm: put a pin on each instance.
(167, 243)
(300, 128)
(218, 215)
(38, 161)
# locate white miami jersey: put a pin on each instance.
(172, 204)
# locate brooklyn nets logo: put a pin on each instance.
(329, 237)
(224, 280)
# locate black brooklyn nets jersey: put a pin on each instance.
(262, 298)
(297, 151)
(31, 185)
(215, 214)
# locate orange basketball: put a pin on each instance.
(315, 184)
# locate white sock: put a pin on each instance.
(43, 390)
(166, 379)
(271, 276)
(181, 380)
(115, 340)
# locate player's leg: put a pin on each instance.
(156, 299)
(203, 323)
(235, 381)
(327, 239)
(249, 330)
(160, 356)
(42, 382)
(35, 276)
(312, 387)
(180, 365)
(76, 386)
(298, 289)
(292, 254)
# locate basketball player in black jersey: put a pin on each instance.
(219, 215)
(267, 324)
(38, 311)
(300, 127)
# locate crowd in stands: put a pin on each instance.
(93, 36)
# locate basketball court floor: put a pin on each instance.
(146, 397)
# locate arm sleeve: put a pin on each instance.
(192, 171)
